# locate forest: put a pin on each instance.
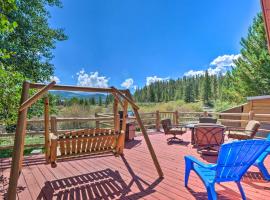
(204, 88)
(249, 77)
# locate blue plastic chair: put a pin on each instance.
(233, 161)
(260, 162)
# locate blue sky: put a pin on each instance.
(135, 42)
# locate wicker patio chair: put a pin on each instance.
(244, 133)
(174, 130)
(208, 138)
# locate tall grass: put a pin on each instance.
(178, 105)
(77, 110)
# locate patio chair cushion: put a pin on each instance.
(253, 125)
(179, 131)
(170, 129)
(243, 134)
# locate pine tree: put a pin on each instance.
(189, 95)
(215, 87)
(251, 76)
(100, 101)
(93, 101)
(207, 89)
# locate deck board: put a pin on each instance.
(131, 177)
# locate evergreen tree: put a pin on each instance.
(215, 87)
(206, 89)
(251, 76)
(189, 96)
(81, 101)
(93, 101)
(100, 101)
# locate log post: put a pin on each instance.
(251, 115)
(146, 138)
(53, 149)
(17, 155)
(115, 114)
(54, 125)
(46, 127)
(97, 121)
(176, 118)
(157, 121)
(117, 123)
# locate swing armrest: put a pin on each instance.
(52, 136)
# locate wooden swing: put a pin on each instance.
(74, 143)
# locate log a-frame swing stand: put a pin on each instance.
(73, 143)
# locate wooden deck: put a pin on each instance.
(131, 177)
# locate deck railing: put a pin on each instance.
(151, 120)
(35, 138)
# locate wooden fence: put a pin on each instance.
(35, 138)
(151, 120)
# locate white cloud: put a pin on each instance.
(128, 83)
(221, 65)
(55, 78)
(194, 73)
(225, 60)
(152, 79)
(92, 79)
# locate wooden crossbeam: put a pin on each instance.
(73, 88)
(36, 96)
(130, 101)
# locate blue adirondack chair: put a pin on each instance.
(233, 161)
(260, 162)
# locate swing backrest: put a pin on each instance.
(88, 141)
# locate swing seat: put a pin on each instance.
(84, 142)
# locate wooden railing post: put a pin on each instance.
(157, 121)
(251, 115)
(46, 127)
(116, 115)
(117, 123)
(97, 121)
(173, 117)
(176, 118)
(54, 125)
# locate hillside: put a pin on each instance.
(79, 95)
